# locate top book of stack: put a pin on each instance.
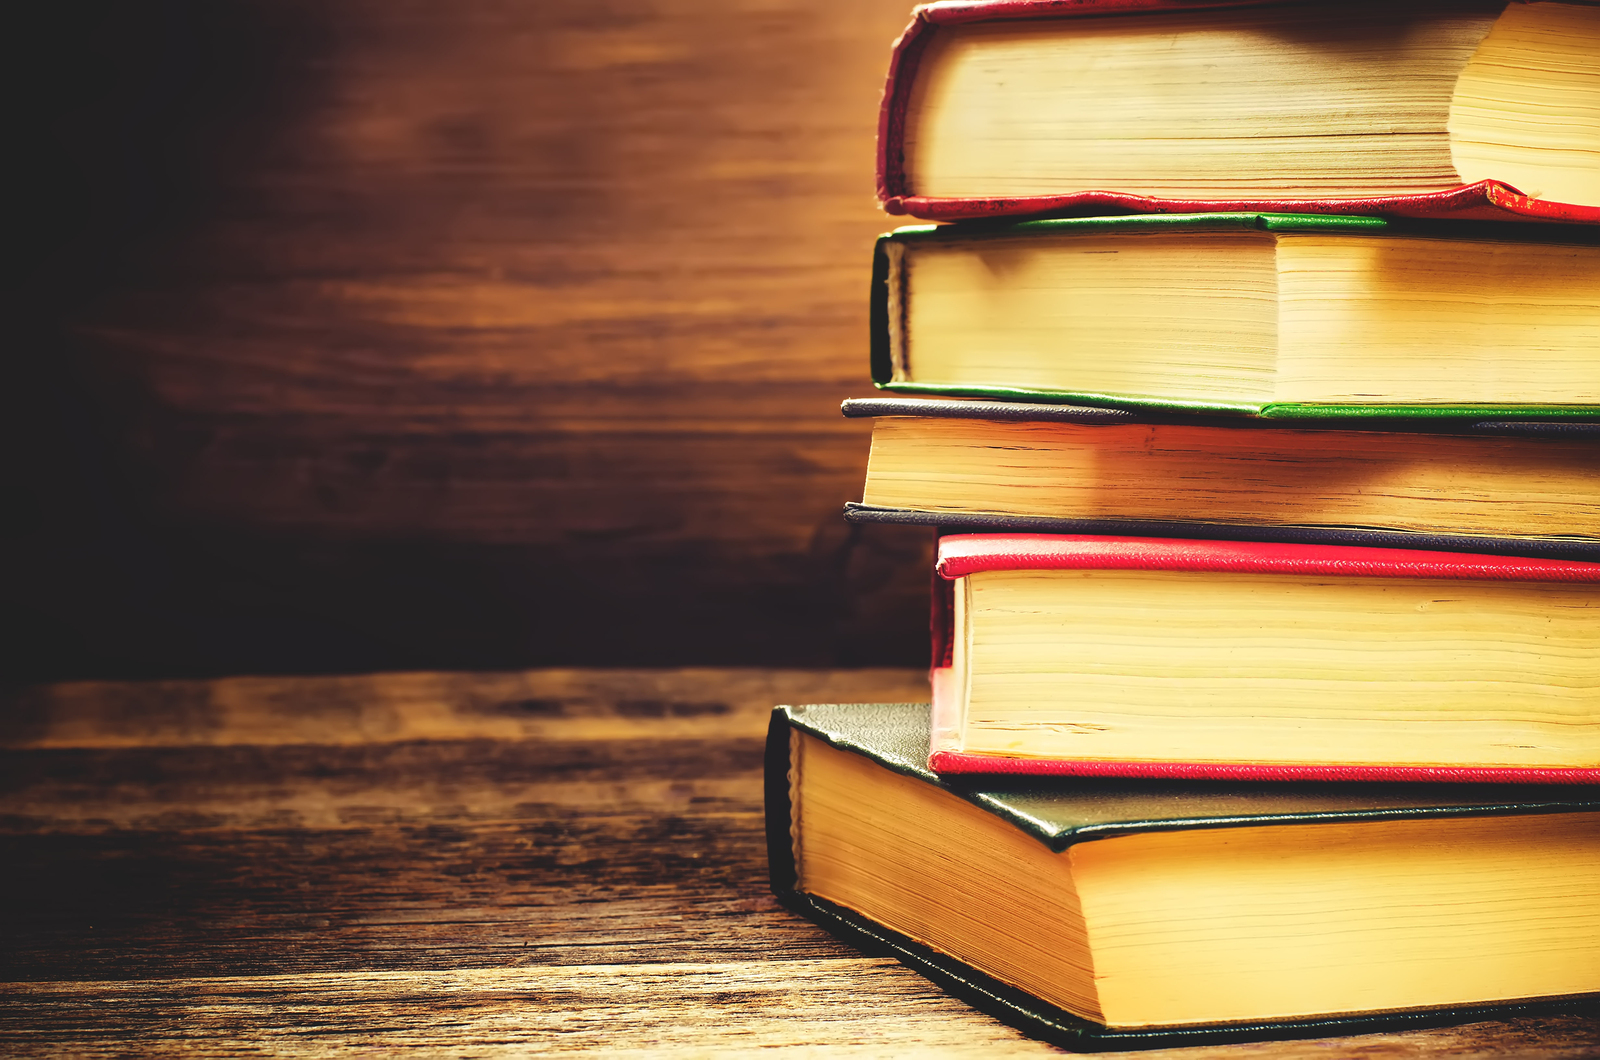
(1470, 110)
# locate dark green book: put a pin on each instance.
(1286, 316)
(1115, 915)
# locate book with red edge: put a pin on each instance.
(1437, 580)
(1493, 197)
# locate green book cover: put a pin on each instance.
(888, 308)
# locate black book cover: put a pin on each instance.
(1059, 812)
(1553, 547)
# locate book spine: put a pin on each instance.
(880, 344)
(775, 802)
(903, 62)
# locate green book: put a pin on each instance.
(1102, 914)
(1285, 316)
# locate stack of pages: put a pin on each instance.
(1254, 392)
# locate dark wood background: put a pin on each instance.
(376, 334)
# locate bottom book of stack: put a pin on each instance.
(1115, 914)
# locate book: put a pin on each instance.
(1100, 914)
(1518, 487)
(1012, 107)
(1097, 655)
(1270, 314)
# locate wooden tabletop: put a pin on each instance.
(478, 864)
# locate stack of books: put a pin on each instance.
(1254, 391)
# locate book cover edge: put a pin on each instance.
(966, 789)
(963, 554)
(951, 762)
(1486, 200)
(999, 522)
(1286, 413)
(1516, 420)
(1038, 1019)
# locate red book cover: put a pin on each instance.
(964, 554)
(1488, 199)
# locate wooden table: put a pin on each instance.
(478, 864)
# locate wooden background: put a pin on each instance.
(376, 334)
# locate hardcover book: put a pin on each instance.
(1129, 914)
(1278, 315)
(1118, 656)
(1518, 487)
(1485, 110)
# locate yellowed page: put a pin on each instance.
(1193, 666)
(1382, 319)
(1506, 487)
(935, 867)
(1298, 101)
(1526, 110)
(1285, 921)
(1179, 314)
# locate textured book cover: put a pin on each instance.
(1062, 812)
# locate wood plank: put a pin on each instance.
(827, 1007)
(427, 819)
(490, 864)
(395, 707)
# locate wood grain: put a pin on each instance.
(391, 334)
(480, 864)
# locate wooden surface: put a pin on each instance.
(478, 865)
(395, 334)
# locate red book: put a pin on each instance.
(1461, 111)
(1108, 656)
